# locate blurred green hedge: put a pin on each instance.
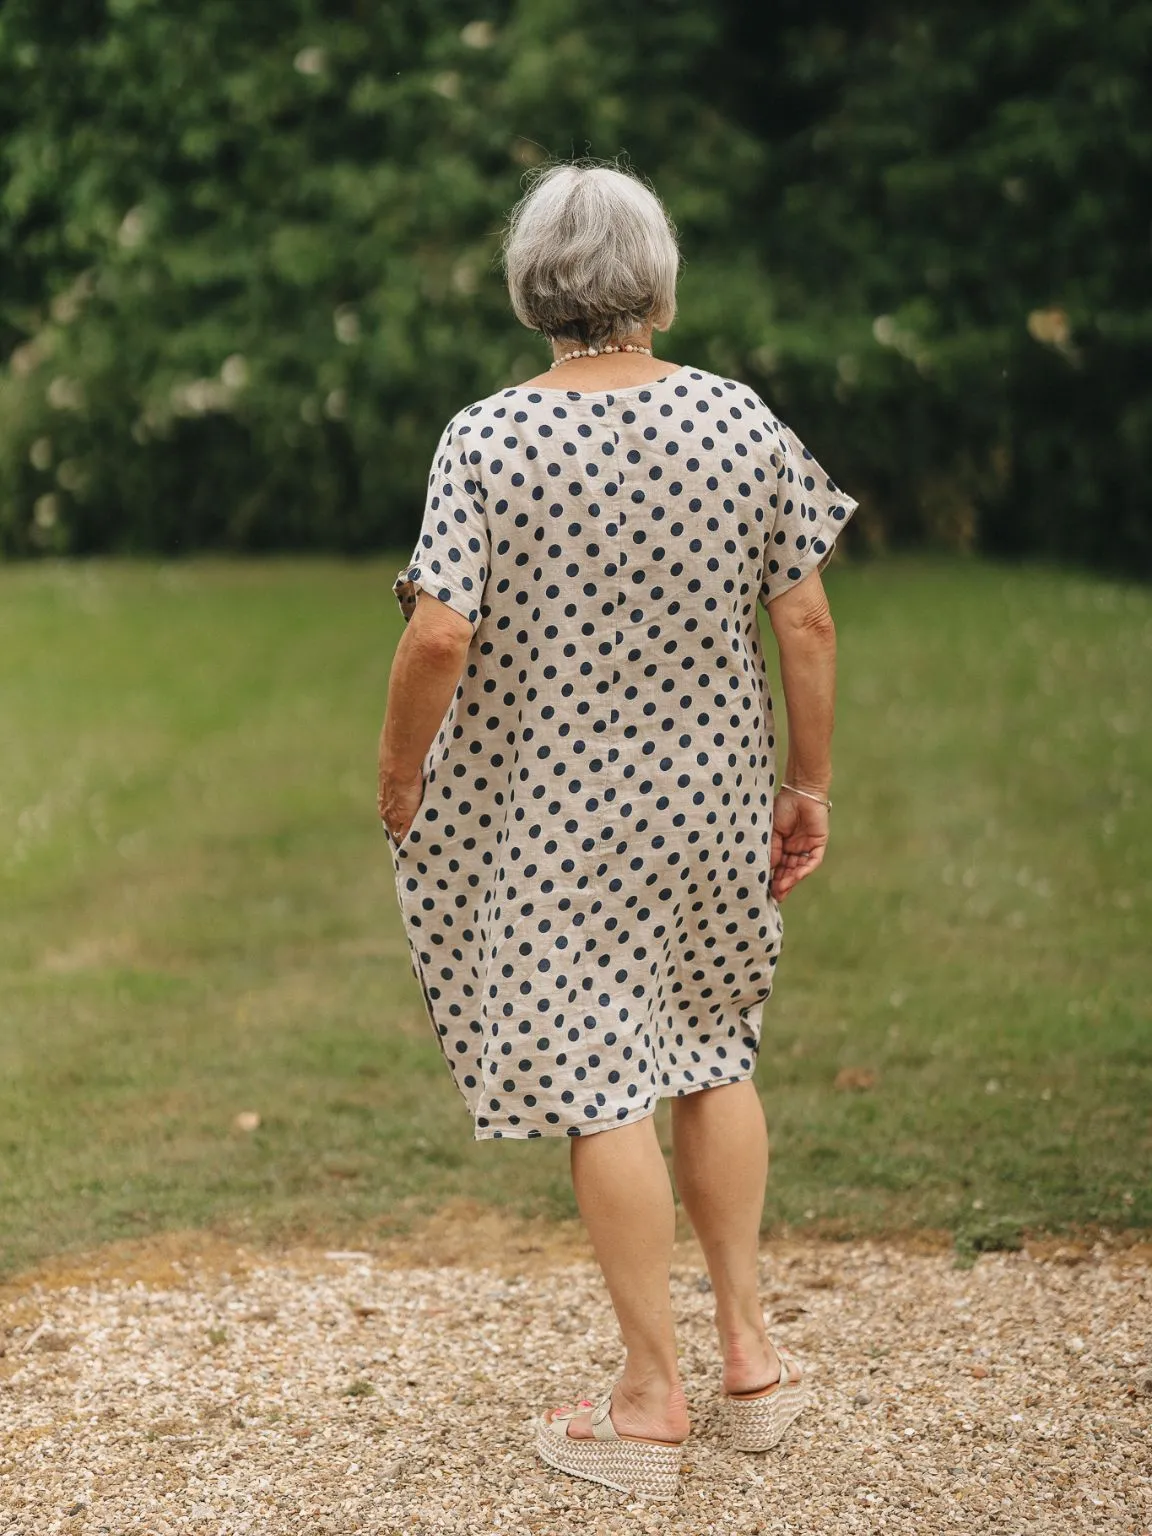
(249, 253)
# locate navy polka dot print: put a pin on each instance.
(585, 887)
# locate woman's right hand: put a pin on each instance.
(799, 838)
(398, 804)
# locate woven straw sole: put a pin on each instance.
(759, 1423)
(644, 1468)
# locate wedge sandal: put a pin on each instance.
(648, 1469)
(756, 1421)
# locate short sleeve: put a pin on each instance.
(451, 557)
(808, 512)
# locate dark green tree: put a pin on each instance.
(964, 244)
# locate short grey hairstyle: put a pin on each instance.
(590, 255)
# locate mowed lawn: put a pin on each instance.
(199, 918)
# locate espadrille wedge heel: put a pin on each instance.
(647, 1469)
(756, 1421)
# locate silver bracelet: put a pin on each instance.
(808, 795)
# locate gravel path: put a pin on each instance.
(304, 1393)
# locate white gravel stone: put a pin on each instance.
(336, 1393)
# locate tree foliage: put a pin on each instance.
(250, 255)
(979, 203)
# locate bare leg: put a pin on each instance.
(721, 1163)
(625, 1197)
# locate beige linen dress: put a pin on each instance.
(585, 887)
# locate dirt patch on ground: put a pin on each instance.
(470, 1235)
(463, 1233)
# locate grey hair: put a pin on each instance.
(590, 255)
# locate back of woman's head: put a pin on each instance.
(590, 255)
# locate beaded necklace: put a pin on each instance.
(599, 352)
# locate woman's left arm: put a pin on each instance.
(425, 671)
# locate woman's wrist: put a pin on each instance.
(392, 773)
(805, 794)
(811, 783)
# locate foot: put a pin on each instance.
(659, 1415)
(752, 1367)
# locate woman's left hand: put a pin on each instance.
(398, 804)
(799, 839)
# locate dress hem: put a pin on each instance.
(643, 1112)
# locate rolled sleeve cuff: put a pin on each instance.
(785, 570)
(453, 593)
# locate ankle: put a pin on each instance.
(750, 1362)
(651, 1389)
(743, 1334)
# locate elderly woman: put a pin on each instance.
(578, 781)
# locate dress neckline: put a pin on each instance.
(580, 394)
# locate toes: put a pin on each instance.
(569, 1414)
(568, 1410)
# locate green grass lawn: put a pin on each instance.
(199, 918)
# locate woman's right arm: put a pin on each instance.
(806, 639)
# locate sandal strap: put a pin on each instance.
(602, 1425)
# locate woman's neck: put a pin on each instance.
(607, 370)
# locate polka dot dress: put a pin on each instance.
(585, 887)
